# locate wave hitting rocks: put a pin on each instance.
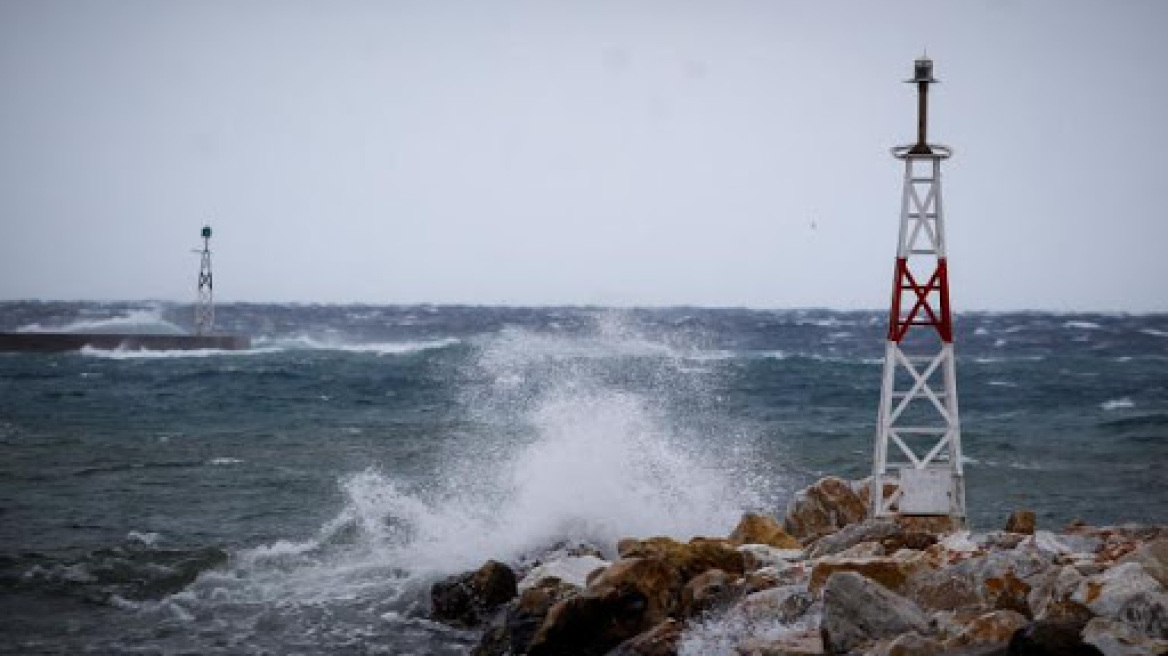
(828, 581)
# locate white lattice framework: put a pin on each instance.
(205, 300)
(918, 440)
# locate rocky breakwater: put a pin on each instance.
(826, 580)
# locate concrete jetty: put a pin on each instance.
(58, 342)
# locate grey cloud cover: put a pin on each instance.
(588, 152)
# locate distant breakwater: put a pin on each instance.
(45, 342)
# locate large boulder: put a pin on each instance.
(889, 571)
(468, 599)
(1146, 613)
(993, 628)
(796, 643)
(1153, 556)
(760, 529)
(909, 644)
(757, 556)
(784, 604)
(1106, 593)
(1044, 638)
(1113, 638)
(825, 507)
(630, 597)
(573, 570)
(936, 590)
(1050, 597)
(1021, 521)
(872, 530)
(661, 640)
(857, 610)
(710, 589)
(1067, 544)
(511, 631)
(689, 559)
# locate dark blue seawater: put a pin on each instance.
(300, 497)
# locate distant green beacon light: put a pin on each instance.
(206, 232)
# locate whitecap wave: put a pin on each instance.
(375, 348)
(1118, 404)
(1082, 325)
(594, 463)
(143, 354)
(137, 322)
(1153, 332)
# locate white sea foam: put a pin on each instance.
(143, 321)
(1118, 404)
(723, 635)
(1153, 332)
(1082, 325)
(375, 348)
(220, 462)
(1002, 383)
(147, 538)
(595, 464)
(136, 354)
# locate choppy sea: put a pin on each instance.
(299, 497)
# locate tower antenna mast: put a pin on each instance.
(205, 300)
(918, 438)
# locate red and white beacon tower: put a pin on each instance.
(918, 439)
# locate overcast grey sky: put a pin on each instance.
(645, 153)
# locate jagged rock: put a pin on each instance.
(661, 640)
(1050, 597)
(995, 627)
(864, 550)
(887, 571)
(760, 529)
(857, 610)
(961, 542)
(691, 559)
(468, 599)
(756, 556)
(1007, 592)
(630, 597)
(1114, 638)
(931, 524)
(909, 644)
(1004, 577)
(1063, 544)
(573, 570)
(1001, 540)
(511, 631)
(1146, 613)
(825, 507)
(872, 530)
(1153, 556)
(771, 577)
(1045, 638)
(941, 590)
(1106, 593)
(802, 643)
(707, 590)
(785, 604)
(1021, 521)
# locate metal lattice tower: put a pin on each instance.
(918, 438)
(205, 301)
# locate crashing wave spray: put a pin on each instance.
(567, 448)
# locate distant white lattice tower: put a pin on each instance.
(205, 300)
(918, 439)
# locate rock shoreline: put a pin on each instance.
(826, 580)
